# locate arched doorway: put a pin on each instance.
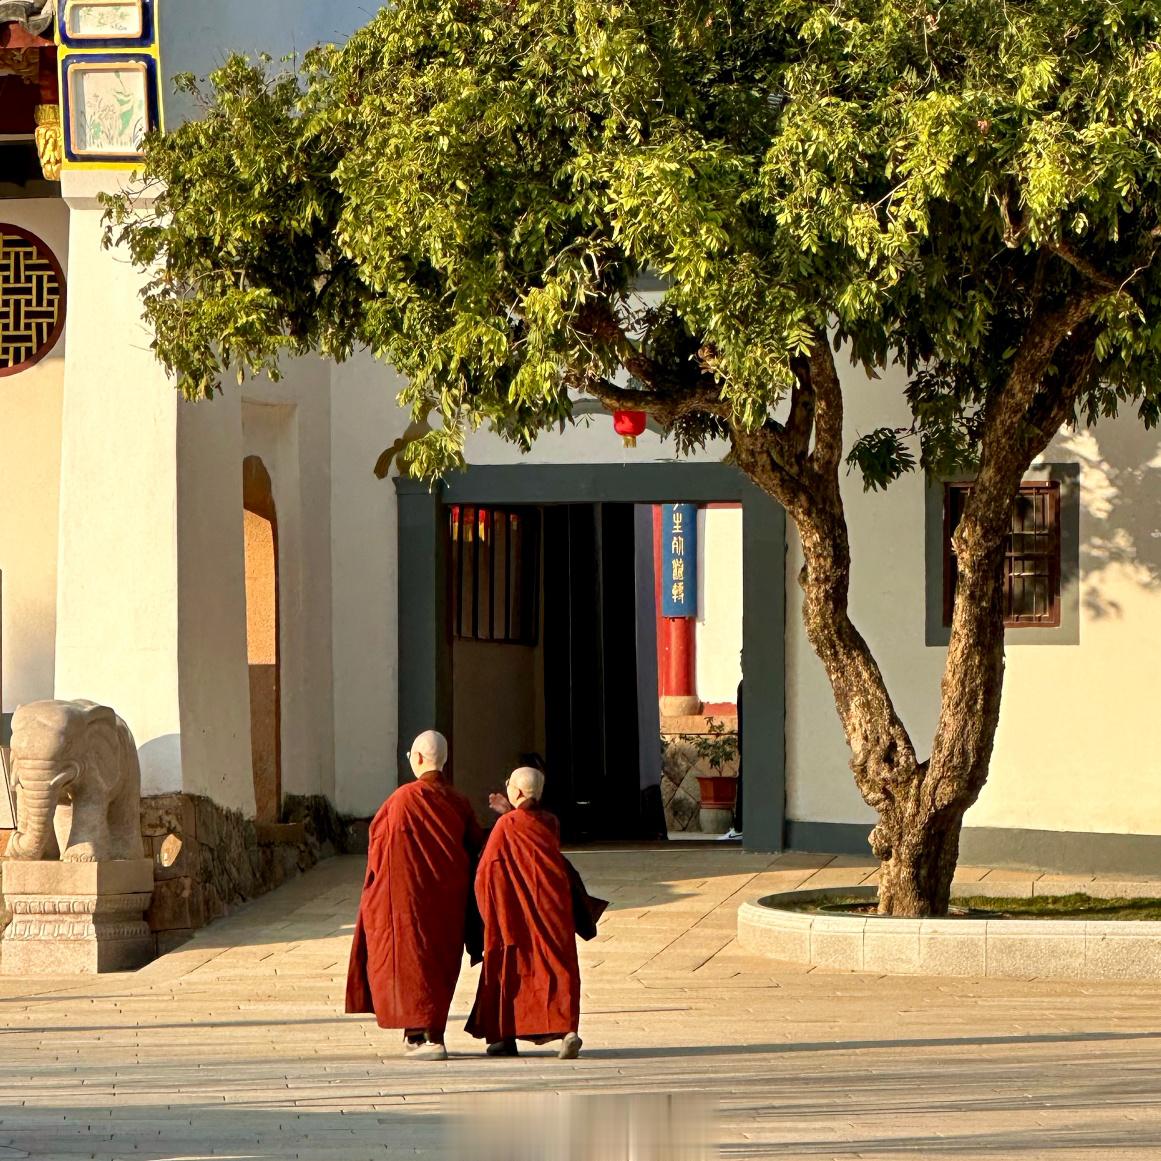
(261, 540)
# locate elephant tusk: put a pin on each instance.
(64, 778)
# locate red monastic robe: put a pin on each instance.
(530, 980)
(409, 937)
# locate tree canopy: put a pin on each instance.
(475, 189)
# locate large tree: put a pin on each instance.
(474, 188)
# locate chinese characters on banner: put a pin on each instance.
(679, 560)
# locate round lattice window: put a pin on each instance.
(32, 299)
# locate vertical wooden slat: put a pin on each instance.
(493, 516)
(510, 520)
(475, 574)
(460, 572)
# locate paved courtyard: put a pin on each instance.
(234, 1046)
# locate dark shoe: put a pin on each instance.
(503, 1048)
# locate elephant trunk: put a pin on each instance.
(37, 794)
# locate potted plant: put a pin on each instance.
(717, 747)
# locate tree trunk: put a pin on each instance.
(921, 805)
(915, 878)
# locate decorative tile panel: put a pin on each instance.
(109, 104)
(107, 23)
(110, 91)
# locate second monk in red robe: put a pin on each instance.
(530, 980)
(409, 937)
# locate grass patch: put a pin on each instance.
(985, 907)
(1064, 907)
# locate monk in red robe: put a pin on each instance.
(409, 937)
(530, 980)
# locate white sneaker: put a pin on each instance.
(730, 834)
(426, 1051)
(570, 1048)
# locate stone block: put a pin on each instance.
(953, 947)
(272, 833)
(163, 814)
(206, 812)
(70, 918)
(1123, 950)
(176, 904)
(52, 877)
(1036, 949)
(176, 856)
(891, 946)
(836, 941)
(714, 821)
(357, 836)
(781, 935)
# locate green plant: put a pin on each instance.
(717, 746)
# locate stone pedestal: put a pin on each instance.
(715, 820)
(70, 918)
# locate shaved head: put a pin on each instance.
(526, 783)
(429, 752)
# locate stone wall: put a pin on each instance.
(208, 859)
(681, 765)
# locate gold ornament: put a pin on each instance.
(49, 144)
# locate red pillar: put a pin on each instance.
(676, 646)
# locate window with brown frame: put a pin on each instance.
(1032, 559)
(495, 574)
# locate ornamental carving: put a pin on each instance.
(21, 62)
(32, 299)
(49, 143)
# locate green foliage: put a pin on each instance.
(717, 747)
(473, 189)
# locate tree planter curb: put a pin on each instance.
(1057, 949)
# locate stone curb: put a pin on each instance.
(1055, 949)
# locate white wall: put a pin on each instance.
(150, 583)
(30, 418)
(719, 629)
(117, 580)
(1068, 753)
(287, 424)
(364, 534)
(211, 633)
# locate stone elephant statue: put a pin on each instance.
(75, 772)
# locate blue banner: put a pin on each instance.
(678, 560)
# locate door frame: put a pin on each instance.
(425, 686)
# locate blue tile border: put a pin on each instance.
(147, 39)
(68, 65)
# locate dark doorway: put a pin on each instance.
(427, 696)
(590, 674)
(260, 526)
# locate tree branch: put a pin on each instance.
(828, 412)
(598, 321)
(1078, 262)
(800, 422)
(665, 406)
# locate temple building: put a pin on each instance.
(275, 622)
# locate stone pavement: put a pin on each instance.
(234, 1046)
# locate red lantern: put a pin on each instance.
(629, 425)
